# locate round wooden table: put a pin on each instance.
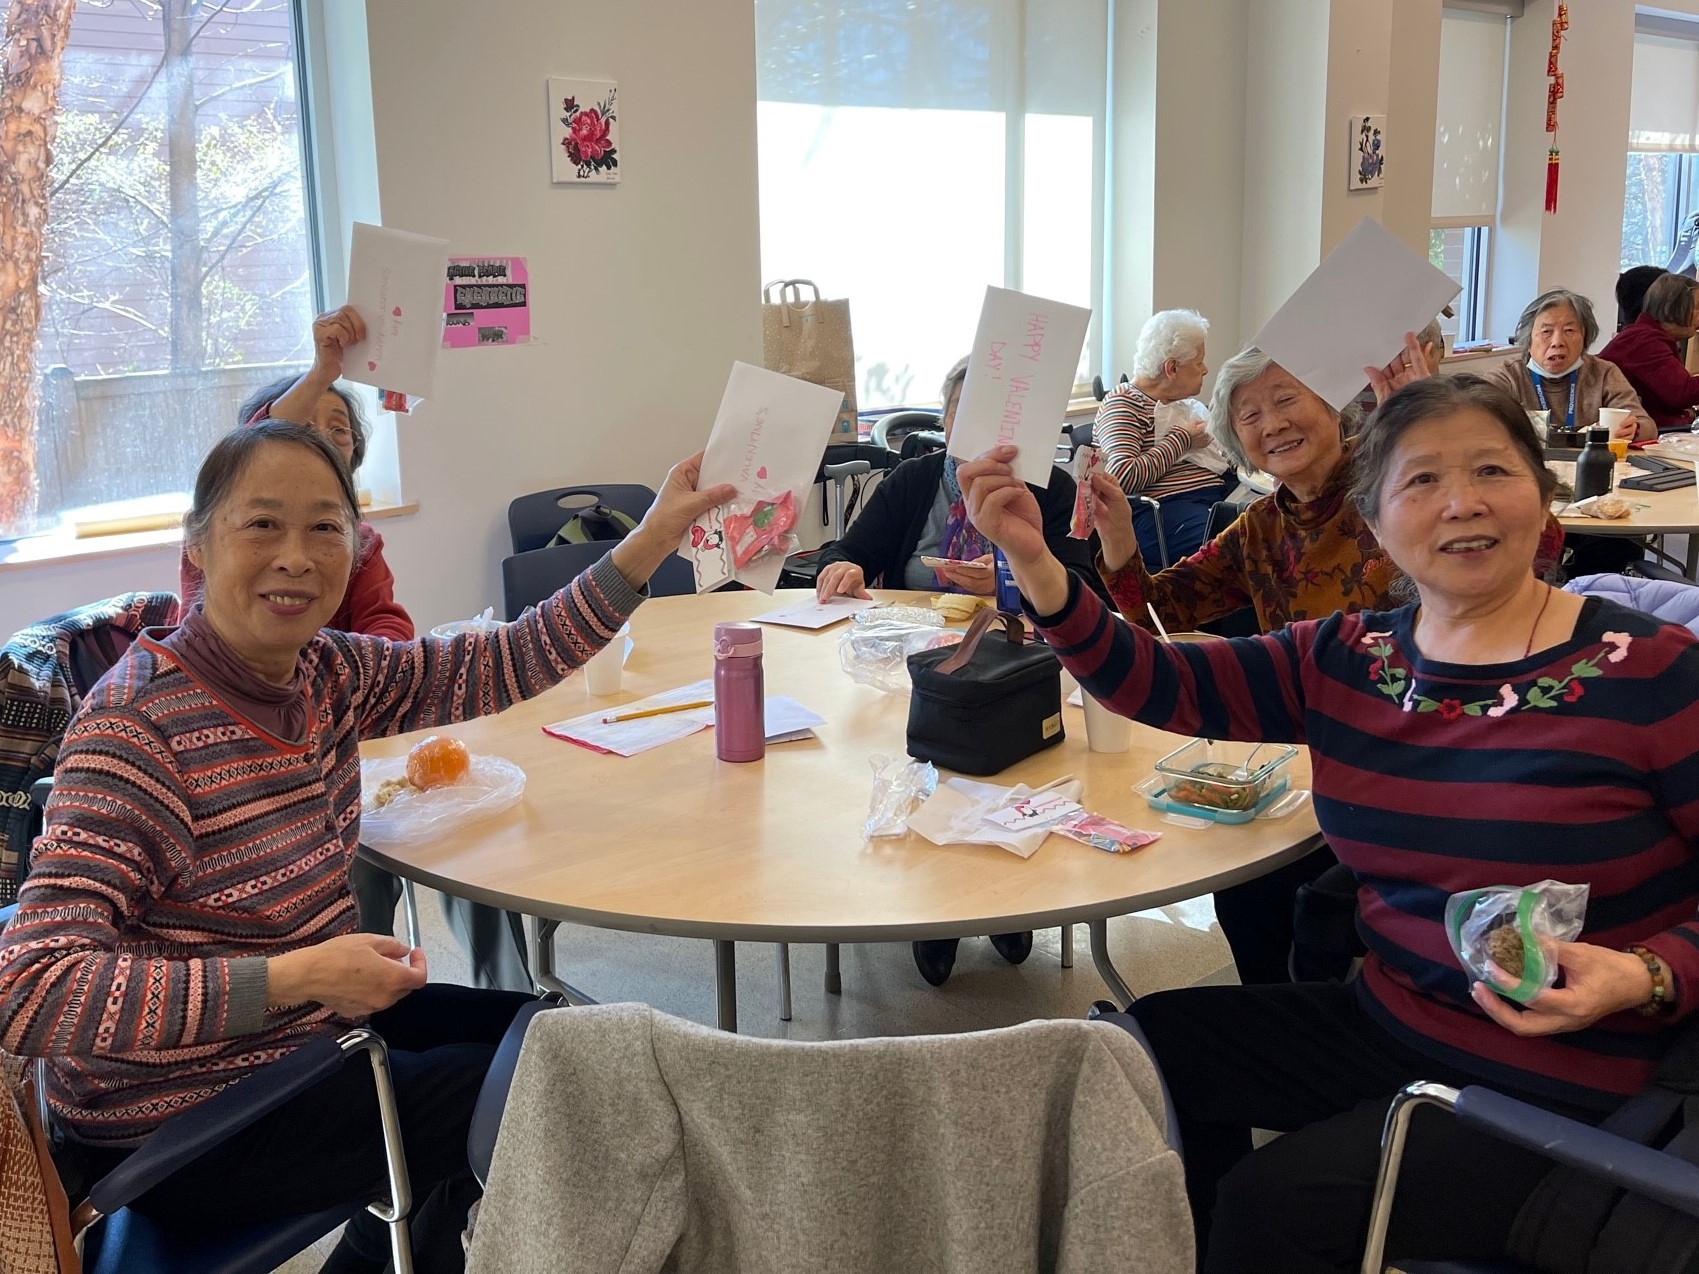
(1655, 512)
(674, 841)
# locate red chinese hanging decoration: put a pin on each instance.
(1554, 95)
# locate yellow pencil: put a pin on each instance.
(656, 712)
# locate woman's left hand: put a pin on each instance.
(1597, 982)
(1417, 362)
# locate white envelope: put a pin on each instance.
(1352, 312)
(395, 285)
(1020, 374)
(768, 438)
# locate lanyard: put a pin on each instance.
(1540, 393)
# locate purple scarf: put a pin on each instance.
(961, 542)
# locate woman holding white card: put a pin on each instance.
(917, 516)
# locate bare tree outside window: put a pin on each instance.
(179, 271)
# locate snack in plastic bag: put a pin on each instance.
(759, 526)
(1502, 935)
(1087, 461)
(899, 786)
(437, 762)
(875, 649)
(396, 813)
(1104, 833)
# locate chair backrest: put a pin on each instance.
(611, 1106)
(532, 520)
(891, 428)
(527, 578)
(1079, 435)
(922, 442)
(35, 1216)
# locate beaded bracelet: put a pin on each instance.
(1660, 1001)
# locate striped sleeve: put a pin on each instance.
(1249, 688)
(1196, 589)
(1674, 775)
(1125, 429)
(116, 832)
(402, 686)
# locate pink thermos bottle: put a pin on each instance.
(740, 700)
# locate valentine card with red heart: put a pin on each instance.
(767, 441)
(395, 285)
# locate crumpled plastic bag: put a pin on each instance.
(1503, 935)
(492, 785)
(874, 650)
(899, 785)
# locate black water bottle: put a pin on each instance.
(1595, 470)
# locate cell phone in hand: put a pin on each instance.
(937, 562)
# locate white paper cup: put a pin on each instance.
(1105, 731)
(606, 669)
(1611, 417)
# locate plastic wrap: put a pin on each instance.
(492, 785)
(875, 648)
(1503, 935)
(899, 786)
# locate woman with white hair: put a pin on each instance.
(1152, 444)
(1557, 375)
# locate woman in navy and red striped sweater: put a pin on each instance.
(1495, 732)
(187, 917)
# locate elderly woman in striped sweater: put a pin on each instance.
(1496, 731)
(187, 916)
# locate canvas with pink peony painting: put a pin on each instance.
(584, 131)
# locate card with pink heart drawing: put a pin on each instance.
(767, 441)
(395, 285)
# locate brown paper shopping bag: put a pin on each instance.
(810, 339)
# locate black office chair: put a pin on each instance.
(527, 578)
(891, 429)
(1241, 623)
(533, 520)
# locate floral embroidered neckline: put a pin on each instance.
(1394, 680)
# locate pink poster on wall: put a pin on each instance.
(487, 301)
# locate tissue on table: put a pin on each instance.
(957, 812)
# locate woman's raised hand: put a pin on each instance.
(1114, 516)
(1416, 362)
(677, 505)
(1004, 510)
(333, 333)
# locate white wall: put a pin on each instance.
(644, 292)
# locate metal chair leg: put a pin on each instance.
(1156, 514)
(1392, 1138)
(1067, 946)
(783, 952)
(394, 1212)
(410, 911)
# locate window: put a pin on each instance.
(1462, 254)
(1659, 186)
(1469, 125)
(1663, 136)
(179, 270)
(912, 154)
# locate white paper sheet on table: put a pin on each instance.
(955, 814)
(816, 615)
(768, 437)
(395, 285)
(1352, 312)
(785, 719)
(1020, 374)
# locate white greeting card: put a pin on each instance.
(1020, 374)
(767, 441)
(1352, 312)
(395, 285)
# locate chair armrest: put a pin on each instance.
(185, 1137)
(1640, 1169)
(39, 791)
(492, 1096)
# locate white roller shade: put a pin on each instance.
(1664, 104)
(1471, 118)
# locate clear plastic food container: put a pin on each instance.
(1223, 776)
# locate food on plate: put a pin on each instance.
(437, 762)
(958, 606)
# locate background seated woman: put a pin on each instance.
(1556, 374)
(1146, 443)
(1648, 351)
(1495, 731)
(187, 916)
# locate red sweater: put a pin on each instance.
(368, 607)
(1648, 356)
